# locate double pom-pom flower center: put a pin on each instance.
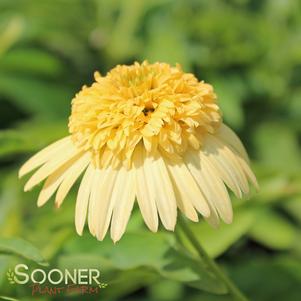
(156, 105)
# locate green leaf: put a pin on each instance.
(156, 251)
(273, 230)
(230, 92)
(11, 33)
(10, 209)
(268, 277)
(181, 266)
(274, 141)
(22, 248)
(166, 290)
(36, 96)
(161, 41)
(29, 137)
(276, 187)
(293, 207)
(123, 42)
(8, 298)
(295, 107)
(217, 241)
(122, 283)
(4, 264)
(31, 61)
(77, 260)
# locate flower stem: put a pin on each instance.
(210, 263)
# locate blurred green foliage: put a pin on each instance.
(250, 50)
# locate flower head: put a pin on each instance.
(148, 132)
(156, 104)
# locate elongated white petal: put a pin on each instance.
(230, 158)
(222, 164)
(213, 220)
(123, 197)
(48, 168)
(145, 196)
(53, 182)
(235, 146)
(44, 155)
(210, 184)
(185, 206)
(226, 134)
(95, 190)
(82, 199)
(188, 190)
(158, 178)
(248, 172)
(222, 200)
(71, 176)
(102, 208)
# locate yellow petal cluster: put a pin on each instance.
(155, 104)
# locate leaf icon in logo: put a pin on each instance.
(103, 285)
(10, 276)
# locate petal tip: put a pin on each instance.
(20, 173)
(115, 240)
(256, 185)
(23, 170)
(100, 237)
(27, 187)
(79, 231)
(194, 219)
(206, 213)
(228, 219)
(152, 227)
(39, 204)
(170, 227)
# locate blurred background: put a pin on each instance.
(249, 50)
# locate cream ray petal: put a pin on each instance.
(230, 156)
(185, 206)
(53, 181)
(71, 176)
(187, 188)
(227, 135)
(213, 220)
(222, 200)
(44, 155)
(82, 199)
(96, 183)
(103, 207)
(157, 176)
(210, 184)
(248, 172)
(125, 197)
(222, 165)
(145, 197)
(48, 168)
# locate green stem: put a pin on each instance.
(233, 290)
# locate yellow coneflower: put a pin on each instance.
(148, 132)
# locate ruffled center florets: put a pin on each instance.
(155, 104)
